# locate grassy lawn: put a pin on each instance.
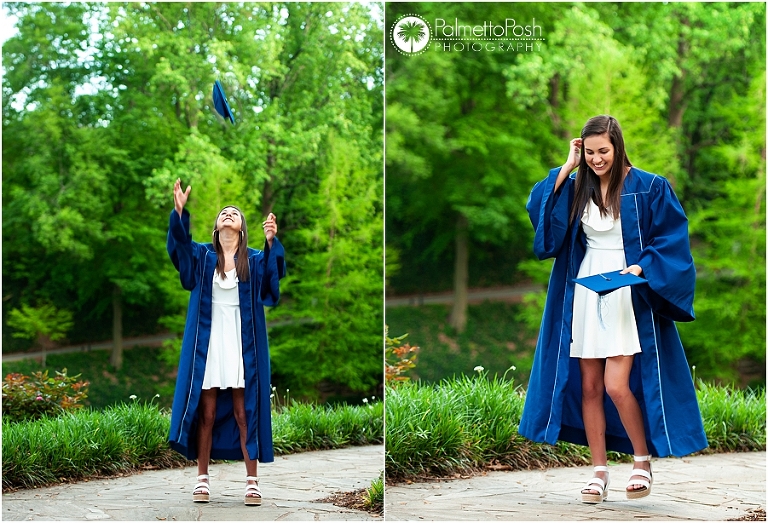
(495, 339)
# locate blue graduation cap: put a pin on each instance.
(220, 102)
(608, 282)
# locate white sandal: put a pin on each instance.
(640, 493)
(204, 487)
(252, 489)
(596, 484)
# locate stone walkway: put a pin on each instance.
(703, 488)
(289, 486)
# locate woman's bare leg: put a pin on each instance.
(206, 415)
(238, 402)
(592, 393)
(617, 371)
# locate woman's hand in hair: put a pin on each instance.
(574, 156)
(270, 228)
(634, 269)
(180, 197)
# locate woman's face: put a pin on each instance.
(598, 152)
(229, 218)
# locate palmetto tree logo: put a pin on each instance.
(410, 34)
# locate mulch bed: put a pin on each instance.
(353, 500)
(757, 514)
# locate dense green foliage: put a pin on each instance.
(128, 436)
(467, 422)
(105, 105)
(469, 133)
(494, 339)
(38, 395)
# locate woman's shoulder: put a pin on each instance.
(643, 182)
(254, 253)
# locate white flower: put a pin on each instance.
(132, 396)
(274, 389)
(365, 400)
(373, 397)
(157, 395)
(271, 396)
(513, 367)
(694, 367)
(479, 369)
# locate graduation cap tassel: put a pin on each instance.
(602, 302)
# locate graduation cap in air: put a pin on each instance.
(607, 282)
(220, 102)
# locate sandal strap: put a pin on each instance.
(641, 472)
(642, 458)
(596, 482)
(252, 489)
(202, 477)
(203, 486)
(640, 482)
(600, 468)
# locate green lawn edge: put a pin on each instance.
(466, 423)
(130, 436)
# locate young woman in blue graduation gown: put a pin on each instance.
(612, 375)
(221, 405)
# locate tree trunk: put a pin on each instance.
(116, 360)
(458, 318)
(677, 101)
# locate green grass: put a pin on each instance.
(144, 374)
(125, 437)
(374, 495)
(495, 338)
(305, 426)
(464, 423)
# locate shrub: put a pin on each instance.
(399, 358)
(26, 397)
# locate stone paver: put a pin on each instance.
(703, 488)
(289, 486)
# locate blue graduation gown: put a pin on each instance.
(196, 263)
(655, 233)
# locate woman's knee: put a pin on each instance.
(207, 416)
(592, 390)
(618, 391)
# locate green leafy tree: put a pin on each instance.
(44, 324)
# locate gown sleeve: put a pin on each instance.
(549, 212)
(183, 251)
(666, 257)
(273, 271)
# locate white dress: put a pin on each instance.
(610, 330)
(224, 367)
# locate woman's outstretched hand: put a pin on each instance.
(180, 197)
(270, 228)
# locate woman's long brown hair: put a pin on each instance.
(588, 183)
(241, 257)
